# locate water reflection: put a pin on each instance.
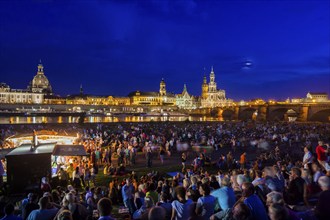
(100, 119)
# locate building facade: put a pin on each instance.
(185, 100)
(212, 96)
(153, 98)
(8, 95)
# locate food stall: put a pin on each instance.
(26, 165)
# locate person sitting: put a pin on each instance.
(239, 211)
(32, 204)
(142, 213)
(206, 203)
(278, 212)
(165, 204)
(294, 195)
(225, 195)
(257, 209)
(43, 213)
(181, 207)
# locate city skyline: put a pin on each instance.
(259, 50)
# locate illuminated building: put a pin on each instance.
(8, 95)
(211, 96)
(40, 83)
(312, 97)
(153, 98)
(317, 97)
(185, 100)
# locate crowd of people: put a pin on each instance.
(268, 171)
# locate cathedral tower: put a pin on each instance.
(212, 84)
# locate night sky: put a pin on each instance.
(267, 49)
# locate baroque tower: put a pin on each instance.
(205, 88)
(162, 88)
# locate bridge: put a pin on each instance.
(272, 112)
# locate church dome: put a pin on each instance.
(40, 83)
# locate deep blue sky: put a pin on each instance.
(114, 47)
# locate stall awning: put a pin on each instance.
(69, 150)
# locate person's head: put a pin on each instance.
(324, 183)
(43, 202)
(274, 198)
(164, 197)
(70, 197)
(9, 209)
(240, 179)
(31, 197)
(186, 183)
(241, 211)
(205, 180)
(247, 189)
(306, 149)
(204, 189)
(180, 192)
(128, 181)
(104, 206)
(225, 181)
(316, 167)
(268, 171)
(258, 173)
(193, 180)
(295, 172)
(320, 143)
(277, 212)
(157, 213)
(151, 187)
(64, 215)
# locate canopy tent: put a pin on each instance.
(69, 150)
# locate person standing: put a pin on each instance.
(161, 154)
(183, 161)
(76, 178)
(149, 157)
(127, 192)
(308, 158)
(133, 155)
(242, 160)
(321, 154)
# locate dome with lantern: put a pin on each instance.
(40, 83)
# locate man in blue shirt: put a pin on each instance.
(257, 208)
(225, 195)
(127, 192)
(43, 213)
